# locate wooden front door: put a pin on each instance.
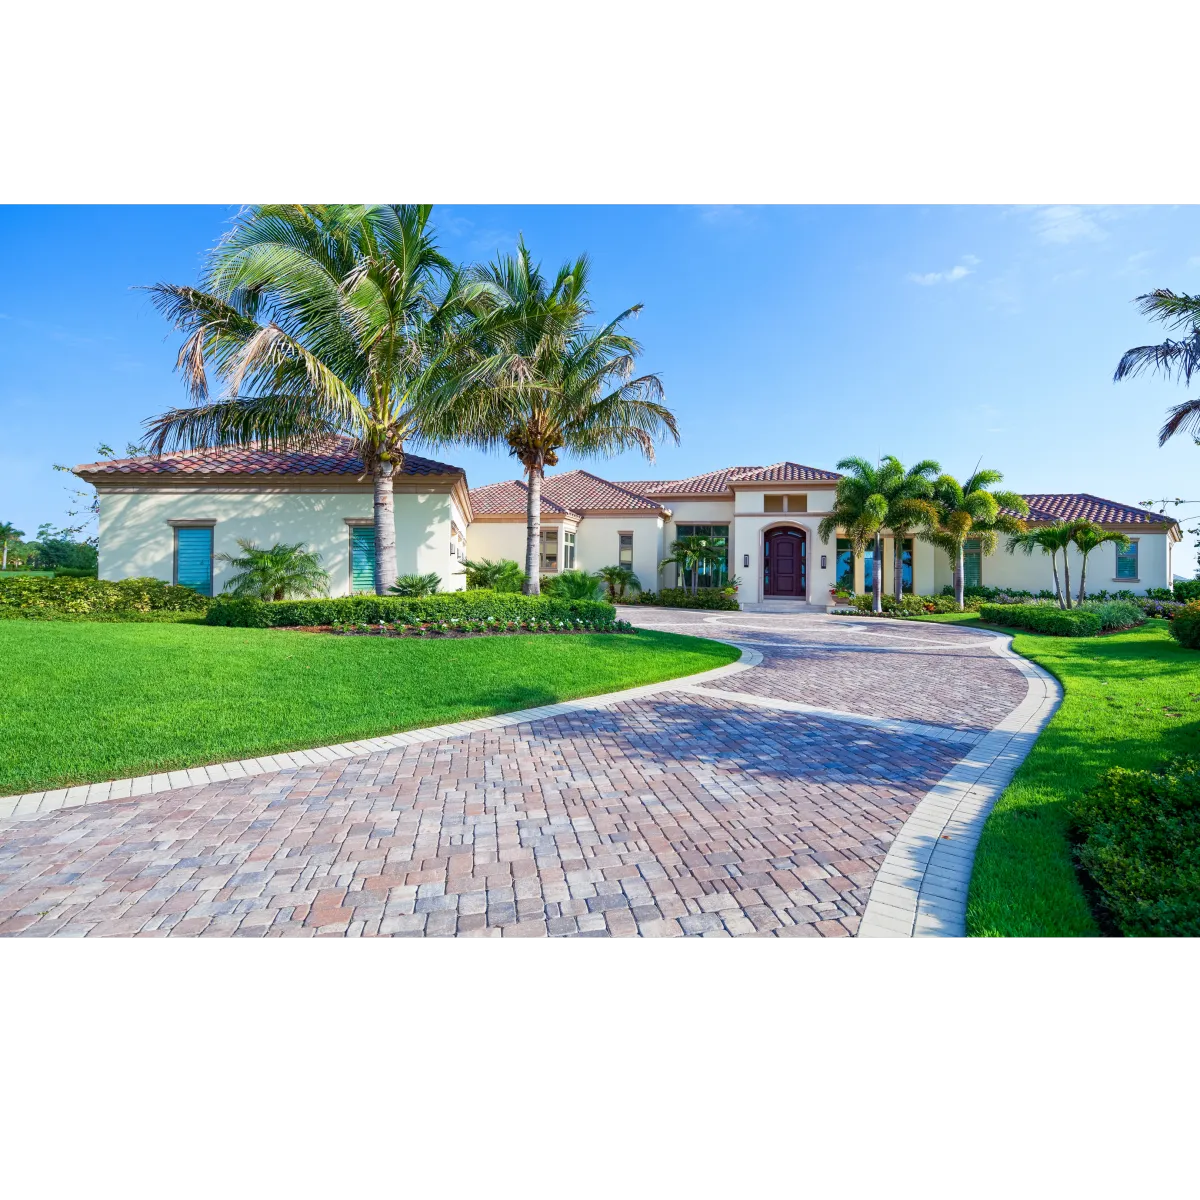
(785, 565)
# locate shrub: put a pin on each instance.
(1139, 842)
(570, 585)
(993, 595)
(1160, 608)
(1043, 618)
(47, 599)
(283, 571)
(503, 575)
(1185, 628)
(476, 604)
(1187, 589)
(710, 598)
(1158, 594)
(909, 605)
(416, 585)
(1114, 614)
(75, 573)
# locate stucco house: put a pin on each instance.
(170, 517)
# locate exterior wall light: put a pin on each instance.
(745, 560)
(823, 561)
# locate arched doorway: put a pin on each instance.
(785, 563)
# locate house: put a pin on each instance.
(768, 519)
(170, 517)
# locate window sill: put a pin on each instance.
(1127, 580)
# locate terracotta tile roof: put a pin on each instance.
(716, 483)
(786, 472)
(1070, 506)
(335, 459)
(571, 492)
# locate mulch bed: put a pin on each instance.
(431, 633)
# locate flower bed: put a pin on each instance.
(455, 628)
(708, 598)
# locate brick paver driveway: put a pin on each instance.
(710, 808)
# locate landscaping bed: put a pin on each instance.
(464, 629)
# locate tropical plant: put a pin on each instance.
(1050, 539)
(1088, 536)
(8, 533)
(1175, 359)
(417, 585)
(504, 575)
(320, 321)
(692, 553)
(618, 580)
(570, 585)
(543, 380)
(284, 572)
(871, 496)
(971, 510)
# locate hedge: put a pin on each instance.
(1043, 618)
(477, 604)
(1185, 627)
(710, 598)
(1139, 842)
(40, 598)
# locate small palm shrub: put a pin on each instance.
(417, 585)
(618, 580)
(503, 575)
(570, 585)
(286, 571)
(1185, 628)
(1139, 841)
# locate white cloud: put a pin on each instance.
(964, 268)
(1059, 224)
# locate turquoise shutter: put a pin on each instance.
(972, 563)
(194, 558)
(362, 558)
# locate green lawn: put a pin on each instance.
(1130, 699)
(83, 702)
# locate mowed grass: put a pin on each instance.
(1130, 699)
(84, 702)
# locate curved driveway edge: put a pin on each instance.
(921, 888)
(37, 804)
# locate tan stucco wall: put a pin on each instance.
(135, 538)
(597, 545)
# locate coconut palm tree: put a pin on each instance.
(972, 510)
(543, 380)
(285, 571)
(1179, 359)
(318, 321)
(8, 533)
(871, 496)
(692, 553)
(1050, 539)
(1088, 536)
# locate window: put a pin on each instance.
(845, 564)
(716, 575)
(549, 550)
(625, 550)
(778, 504)
(194, 557)
(972, 563)
(1127, 562)
(362, 558)
(869, 569)
(906, 567)
(568, 551)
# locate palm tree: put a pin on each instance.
(319, 321)
(618, 580)
(871, 496)
(1180, 359)
(970, 510)
(1050, 539)
(8, 533)
(504, 575)
(1088, 536)
(285, 571)
(691, 554)
(544, 381)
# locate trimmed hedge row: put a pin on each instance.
(478, 604)
(1042, 618)
(709, 598)
(40, 598)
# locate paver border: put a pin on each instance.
(30, 805)
(921, 888)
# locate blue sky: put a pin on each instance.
(809, 333)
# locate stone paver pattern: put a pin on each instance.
(681, 813)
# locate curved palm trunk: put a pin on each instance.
(1057, 586)
(960, 574)
(877, 576)
(385, 528)
(533, 531)
(1082, 580)
(1067, 579)
(4, 567)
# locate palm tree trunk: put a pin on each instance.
(1057, 586)
(877, 575)
(533, 535)
(898, 564)
(1067, 578)
(695, 577)
(385, 528)
(1082, 580)
(5, 566)
(959, 576)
